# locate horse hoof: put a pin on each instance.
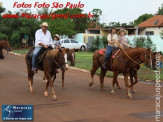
(46, 94)
(90, 84)
(31, 90)
(133, 91)
(44, 81)
(112, 91)
(54, 98)
(119, 87)
(130, 96)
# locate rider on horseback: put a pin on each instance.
(123, 41)
(43, 39)
(112, 42)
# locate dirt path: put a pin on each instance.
(77, 102)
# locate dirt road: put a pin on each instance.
(77, 102)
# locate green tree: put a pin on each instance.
(142, 18)
(160, 10)
(96, 12)
(104, 41)
(96, 44)
(2, 10)
(144, 42)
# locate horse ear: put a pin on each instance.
(67, 49)
(154, 53)
(60, 49)
(149, 49)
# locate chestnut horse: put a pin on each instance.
(52, 60)
(4, 45)
(69, 57)
(121, 64)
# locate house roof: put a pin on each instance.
(155, 21)
(92, 26)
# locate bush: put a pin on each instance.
(144, 42)
(95, 44)
(104, 41)
(2, 36)
(15, 39)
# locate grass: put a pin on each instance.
(84, 61)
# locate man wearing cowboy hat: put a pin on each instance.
(123, 41)
(43, 39)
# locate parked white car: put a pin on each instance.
(71, 44)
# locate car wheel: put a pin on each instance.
(82, 48)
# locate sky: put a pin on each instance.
(123, 11)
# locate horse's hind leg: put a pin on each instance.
(44, 80)
(30, 78)
(94, 69)
(102, 75)
(63, 74)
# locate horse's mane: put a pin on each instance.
(53, 53)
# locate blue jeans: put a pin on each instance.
(34, 56)
(108, 52)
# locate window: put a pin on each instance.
(66, 41)
(73, 41)
(149, 33)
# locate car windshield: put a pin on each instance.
(66, 41)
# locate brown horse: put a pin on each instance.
(4, 45)
(52, 60)
(121, 64)
(135, 67)
(71, 58)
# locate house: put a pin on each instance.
(0, 4)
(152, 26)
(92, 29)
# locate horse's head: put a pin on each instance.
(70, 56)
(5, 45)
(61, 58)
(149, 58)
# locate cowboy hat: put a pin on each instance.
(44, 24)
(56, 35)
(123, 31)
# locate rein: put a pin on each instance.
(57, 63)
(129, 56)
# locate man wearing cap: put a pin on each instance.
(43, 39)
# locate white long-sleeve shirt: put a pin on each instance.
(40, 37)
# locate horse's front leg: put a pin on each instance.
(115, 75)
(127, 86)
(135, 75)
(49, 78)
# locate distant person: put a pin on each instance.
(123, 41)
(112, 39)
(43, 39)
(57, 43)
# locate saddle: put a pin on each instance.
(112, 56)
(39, 58)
